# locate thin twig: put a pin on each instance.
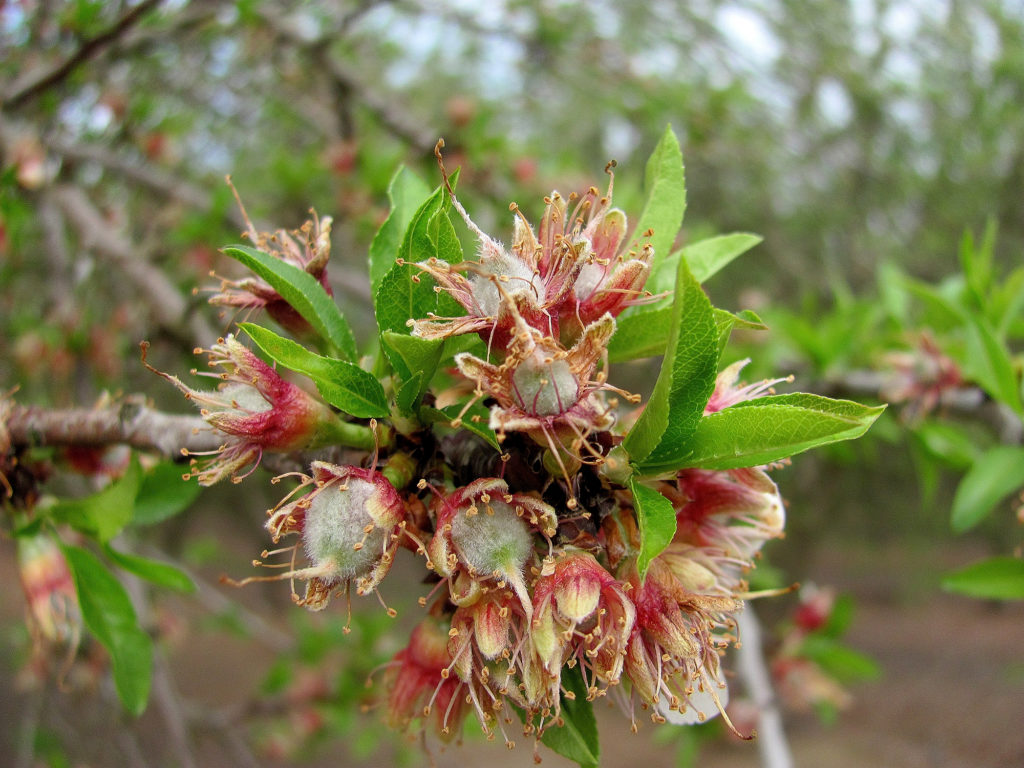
(771, 737)
(130, 423)
(165, 301)
(156, 179)
(39, 83)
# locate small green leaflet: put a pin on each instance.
(657, 520)
(304, 293)
(407, 192)
(998, 578)
(665, 182)
(578, 739)
(987, 361)
(108, 614)
(153, 571)
(640, 335)
(646, 334)
(844, 664)
(398, 297)
(685, 382)
(769, 429)
(344, 385)
(726, 321)
(105, 513)
(413, 359)
(995, 474)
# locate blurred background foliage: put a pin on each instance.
(862, 139)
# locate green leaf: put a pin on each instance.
(705, 258)
(578, 739)
(412, 358)
(685, 382)
(163, 494)
(977, 262)
(304, 293)
(398, 297)
(844, 664)
(644, 334)
(998, 578)
(344, 385)
(726, 321)
(840, 619)
(408, 394)
(158, 573)
(768, 429)
(108, 614)
(665, 182)
(987, 361)
(657, 520)
(407, 192)
(996, 473)
(107, 512)
(947, 442)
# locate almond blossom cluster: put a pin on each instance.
(537, 590)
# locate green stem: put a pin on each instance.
(399, 470)
(338, 432)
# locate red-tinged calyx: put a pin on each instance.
(257, 409)
(673, 654)
(420, 684)
(730, 512)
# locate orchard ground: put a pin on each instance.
(951, 692)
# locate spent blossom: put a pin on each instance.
(484, 539)
(350, 525)
(559, 280)
(256, 408)
(581, 612)
(307, 248)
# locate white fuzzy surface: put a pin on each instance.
(334, 525)
(492, 542)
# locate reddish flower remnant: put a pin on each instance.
(420, 683)
(308, 248)
(484, 539)
(582, 615)
(258, 409)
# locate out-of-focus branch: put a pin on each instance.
(396, 120)
(168, 306)
(771, 737)
(149, 176)
(131, 423)
(37, 83)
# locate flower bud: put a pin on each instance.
(581, 610)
